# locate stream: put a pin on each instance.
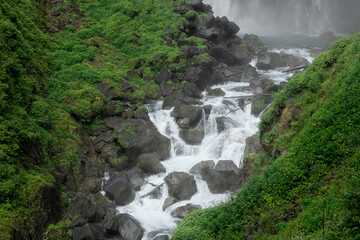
(226, 145)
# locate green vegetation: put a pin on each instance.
(308, 187)
(48, 94)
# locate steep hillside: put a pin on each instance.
(66, 66)
(306, 181)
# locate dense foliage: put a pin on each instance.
(308, 187)
(49, 65)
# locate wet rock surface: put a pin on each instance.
(181, 185)
(129, 228)
(120, 189)
(192, 136)
(181, 212)
(197, 168)
(226, 176)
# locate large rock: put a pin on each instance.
(178, 99)
(149, 162)
(168, 202)
(254, 44)
(165, 89)
(181, 212)
(252, 145)
(226, 176)
(191, 90)
(192, 136)
(294, 61)
(181, 185)
(164, 76)
(119, 189)
(227, 73)
(83, 207)
(138, 136)
(197, 168)
(223, 123)
(216, 92)
(137, 177)
(201, 76)
(88, 232)
(270, 60)
(129, 228)
(194, 113)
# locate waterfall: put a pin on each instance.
(270, 17)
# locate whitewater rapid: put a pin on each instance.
(226, 145)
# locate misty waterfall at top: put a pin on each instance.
(270, 17)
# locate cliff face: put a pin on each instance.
(305, 179)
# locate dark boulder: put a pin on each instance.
(138, 136)
(222, 123)
(137, 177)
(184, 123)
(168, 202)
(181, 185)
(181, 212)
(83, 206)
(129, 228)
(194, 113)
(191, 90)
(197, 168)
(254, 44)
(165, 89)
(192, 136)
(270, 60)
(178, 99)
(216, 92)
(88, 232)
(110, 152)
(252, 145)
(149, 162)
(201, 76)
(119, 189)
(294, 61)
(164, 76)
(226, 176)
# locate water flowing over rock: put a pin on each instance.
(181, 185)
(192, 136)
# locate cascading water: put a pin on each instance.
(226, 145)
(272, 17)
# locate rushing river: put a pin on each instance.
(227, 145)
